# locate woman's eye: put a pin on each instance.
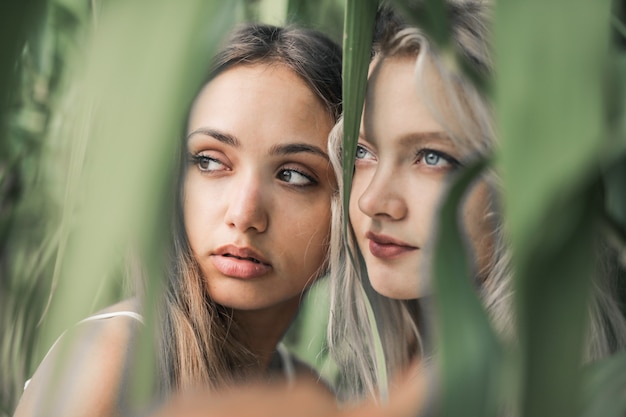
(436, 159)
(293, 177)
(432, 158)
(363, 153)
(208, 164)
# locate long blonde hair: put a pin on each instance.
(357, 309)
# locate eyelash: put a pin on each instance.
(361, 148)
(197, 159)
(312, 180)
(422, 153)
(419, 155)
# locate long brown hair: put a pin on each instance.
(200, 342)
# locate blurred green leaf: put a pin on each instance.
(272, 11)
(604, 388)
(470, 353)
(549, 147)
(615, 202)
(306, 337)
(136, 99)
(549, 105)
(428, 15)
(325, 15)
(552, 294)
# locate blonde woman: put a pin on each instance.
(250, 236)
(422, 122)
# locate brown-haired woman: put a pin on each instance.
(251, 233)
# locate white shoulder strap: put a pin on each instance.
(95, 317)
(103, 316)
(287, 360)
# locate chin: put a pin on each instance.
(393, 282)
(393, 292)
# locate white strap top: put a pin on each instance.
(286, 358)
(103, 316)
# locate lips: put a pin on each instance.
(388, 248)
(239, 262)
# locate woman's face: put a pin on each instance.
(402, 166)
(258, 186)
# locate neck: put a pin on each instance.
(264, 328)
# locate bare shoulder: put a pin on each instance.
(84, 371)
(128, 305)
(306, 373)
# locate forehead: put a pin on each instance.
(253, 85)
(393, 106)
(260, 101)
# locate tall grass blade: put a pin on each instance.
(146, 61)
(549, 105)
(470, 354)
(358, 32)
(548, 96)
(21, 124)
(604, 388)
(430, 16)
(325, 15)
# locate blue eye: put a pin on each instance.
(436, 159)
(432, 158)
(293, 177)
(363, 153)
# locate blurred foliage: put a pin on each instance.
(559, 103)
(92, 100)
(94, 96)
(551, 161)
(471, 378)
(325, 15)
(34, 50)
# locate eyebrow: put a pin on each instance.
(216, 134)
(416, 137)
(276, 150)
(412, 138)
(293, 148)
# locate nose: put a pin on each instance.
(383, 198)
(247, 209)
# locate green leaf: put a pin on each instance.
(552, 294)
(325, 15)
(357, 41)
(145, 63)
(604, 387)
(428, 15)
(470, 353)
(549, 103)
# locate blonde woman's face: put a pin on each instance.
(403, 164)
(258, 187)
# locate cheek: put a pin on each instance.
(313, 227)
(427, 198)
(306, 239)
(424, 197)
